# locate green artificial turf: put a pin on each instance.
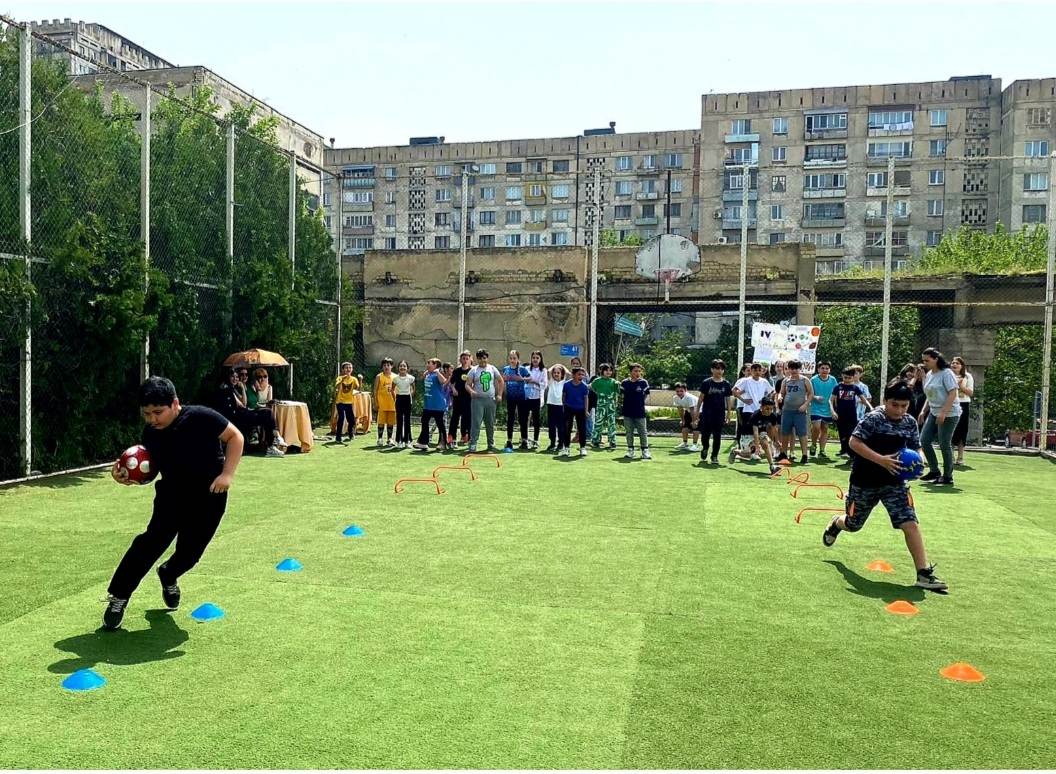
(574, 614)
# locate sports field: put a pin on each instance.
(554, 613)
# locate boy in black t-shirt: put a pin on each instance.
(876, 442)
(713, 410)
(461, 405)
(761, 424)
(189, 499)
(845, 399)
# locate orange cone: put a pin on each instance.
(962, 672)
(879, 566)
(901, 607)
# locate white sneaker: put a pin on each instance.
(273, 452)
(390, 443)
(682, 445)
(694, 447)
(582, 451)
(563, 453)
(630, 454)
(755, 457)
(646, 455)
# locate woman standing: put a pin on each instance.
(940, 415)
(965, 390)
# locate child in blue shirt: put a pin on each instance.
(575, 397)
(434, 406)
(820, 409)
(634, 391)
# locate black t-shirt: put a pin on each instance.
(459, 379)
(847, 399)
(714, 397)
(762, 421)
(884, 437)
(226, 402)
(188, 451)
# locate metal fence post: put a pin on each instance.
(25, 216)
(743, 284)
(885, 326)
(462, 263)
(1046, 334)
(592, 363)
(229, 228)
(144, 215)
(340, 268)
(293, 222)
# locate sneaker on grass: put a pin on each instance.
(926, 579)
(114, 612)
(831, 532)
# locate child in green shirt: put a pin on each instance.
(605, 387)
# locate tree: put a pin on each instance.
(980, 252)
(610, 237)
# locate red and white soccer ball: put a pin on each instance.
(136, 462)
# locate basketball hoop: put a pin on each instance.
(667, 276)
(666, 258)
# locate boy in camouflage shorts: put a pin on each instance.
(875, 446)
(605, 387)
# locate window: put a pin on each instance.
(513, 240)
(487, 217)
(832, 180)
(822, 122)
(777, 212)
(390, 243)
(390, 221)
(390, 173)
(935, 207)
(937, 117)
(487, 169)
(537, 216)
(536, 166)
(559, 238)
(673, 160)
(745, 154)
(442, 219)
(831, 152)
(936, 148)
(933, 238)
(1033, 213)
(676, 185)
(359, 244)
(733, 212)
(937, 177)
(514, 193)
(882, 150)
(390, 197)
(513, 217)
(823, 239)
(674, 210)
(328, 221)
(1036, 181)
(444, 170)
(891, 119)
(777, 238)
(623, 187)
(560, 166)
(780, 126)
(877, 239)
(734, 181)
(560, 191)
(326, 198)
(823, 211)
(648, 186)
(487, 193)
(443, 194)
(486, 240)
(624, 163)
(1039, 116)
(778, 153)
(513, 167)
(535, 191)
(649, 161)
(1036, 148)
(535, 240)
(741, 126)
(442, 243)
(359, 197)
(622, 212)
(777, 183)
(648, 210)
(560, 216)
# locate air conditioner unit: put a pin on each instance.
(718, 214)
(723, 240)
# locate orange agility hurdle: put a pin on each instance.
(482, 456)
(472, 476)
(398, 489)
(799, 515)
(791, 478)
(839, 490)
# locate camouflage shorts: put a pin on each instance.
(896, 499)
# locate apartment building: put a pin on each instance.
(1026, 131)
(521, 193)
(817, 166)
(95, 46)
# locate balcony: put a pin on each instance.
(900, 190)
(535, 225)
(358, 230)
(824, 193)
(878, 252)
(643, 221)
(358, 182)
(733, 161)
(514, 225)
(881, 161)
(823, 222)
(535, 200)
(813, 163)
(829, 252)
(881, 221)
(534, 176)
(644, 170)
(644, 196)
(737, 195)
(750, 137)
(825, 134)
(735, 223)
(879, 265)
(891, 130)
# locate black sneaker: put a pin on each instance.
(524, 445)
(115, 611)
(714, 460)
(804, 460)
(944, 481)
(933, 476)
(828, 537)
(781, 457)
(170, 593)
(926, 580)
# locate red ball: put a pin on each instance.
(136, 461)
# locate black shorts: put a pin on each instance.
(687, 419)
(896, 499)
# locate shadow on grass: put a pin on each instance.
(60, 482)
(123, 647)
(763, 473)
(882, 590)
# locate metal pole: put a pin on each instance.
(742, 290)
(667, 207)
(340, 241)
(293, 222)
(229, 229)
(25, 170)
(144, 215)
(462, 263)
(885, 325)
(1046, 336)
(596, 233)
(340, 274)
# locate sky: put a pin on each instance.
(379, 73)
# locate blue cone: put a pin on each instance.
(352, 531)
(84, 680)
(289, 564)
(207, 612)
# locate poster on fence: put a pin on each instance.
(773, 342)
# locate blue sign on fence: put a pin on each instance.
(627, 326)
(569, 350)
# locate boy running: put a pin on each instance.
(796, 396)
(605, 387)
(713, 410)
(184, 443)
(876, 443)
(820, 409)
(846, 399)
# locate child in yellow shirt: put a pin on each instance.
(344, 391)
(384, 400)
